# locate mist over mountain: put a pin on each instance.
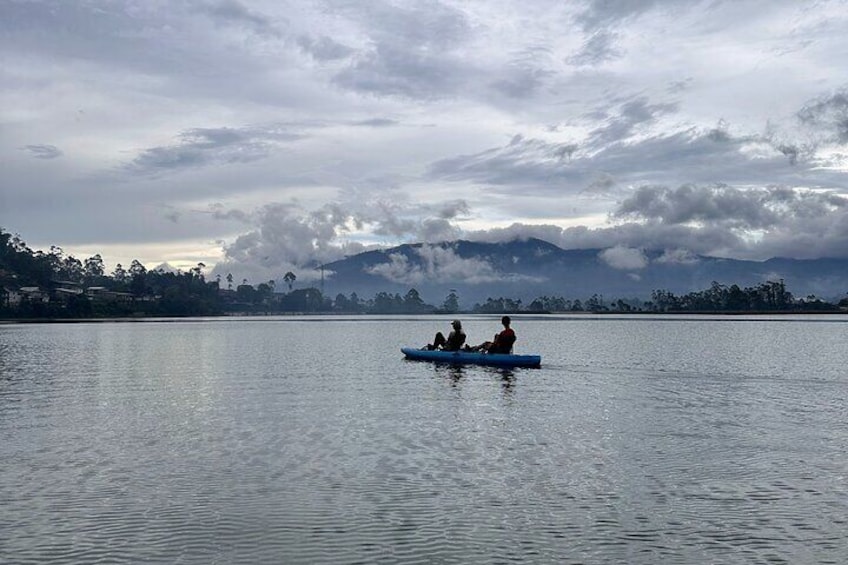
(528, 268)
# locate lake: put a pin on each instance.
(311, 440)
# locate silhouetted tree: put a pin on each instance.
(94, 268)
(289, 279)
(451, 303)
(341, 303)
(413, 304)
(119, 274)
(303, 300)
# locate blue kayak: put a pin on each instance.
(473, 357)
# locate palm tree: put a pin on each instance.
(289, 278)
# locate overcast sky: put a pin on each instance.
(263, 135)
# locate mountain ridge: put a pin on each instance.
(528, 268)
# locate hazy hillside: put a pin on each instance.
(529, 268)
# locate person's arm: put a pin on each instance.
(498, 341)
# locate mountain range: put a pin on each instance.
(528, 268)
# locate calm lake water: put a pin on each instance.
(311, 440)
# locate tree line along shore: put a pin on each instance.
(53, 285)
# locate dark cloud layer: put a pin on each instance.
(602, 13)
(232, 12)
(828, 114)
(43, 151)
(411, 53)
(597, 48)
(710, 220)
(206, 146)
(618, 155)
(724, 206)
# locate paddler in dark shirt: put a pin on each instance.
(454, 342)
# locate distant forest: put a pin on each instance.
(47, 285)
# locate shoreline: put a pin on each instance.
(241, 315)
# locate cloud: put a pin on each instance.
(219, 212)
(625, 151)
(324, 48)
(232, 12)
(437, 229)
(523, 163)
(599, 21)
(830, 114)
(598, 162)
(452, 209)
(125, 37)
(631, 115)
(211, 146)
(753, 223)
(602, 13)
(598, 48)
(624, 258)
(376, 123)
(420, 222)
(728, 207)
(706, 241)
(173, 216)
(521, 81)
(435, 264)
(411, 51)
(603, 184)
(285, 236)
(677, 257)
(43, 151)
(389, 71)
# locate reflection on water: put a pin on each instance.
(453, 373)
(268, 440)
(507, 379)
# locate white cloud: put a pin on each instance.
(624, 258)
(678, 257)
(435, 264)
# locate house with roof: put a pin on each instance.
(33, 294)
(10, 297)
(103, 294)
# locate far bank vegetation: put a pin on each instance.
(38, 285)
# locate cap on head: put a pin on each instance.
(456, 324)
